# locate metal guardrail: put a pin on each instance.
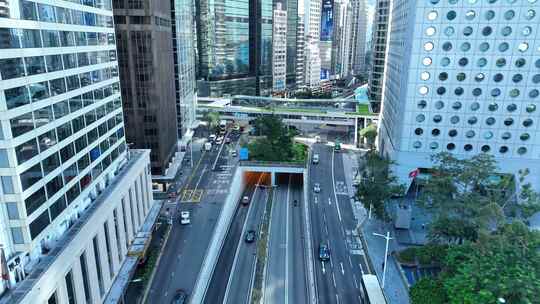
(251, 163)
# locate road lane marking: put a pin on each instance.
(337, 299)
(334, 279)
(350, 261)
(316, 199)
(338, 212)
(342, 270)
(326, 229)
(355, 281)
(323, 269)
(331, 264)
(287, 227)
(329, 201)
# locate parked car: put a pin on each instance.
(185, 218)
(316, 187)
(315, 158)
(324, 252)
(245, 200)
(250, 236)
(180, 297)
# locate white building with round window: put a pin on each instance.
(463, 76)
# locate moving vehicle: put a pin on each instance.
(245, 200)
(337, 146)
(315, 158)
(219, 140)
(222, 126)
(227, 140)
(212, 137)
(317, 139)
(185, 218)
(234, 153)
(316, 187)
(324, 252)
(236, 127)
(180, 297)
(250, 236)
(207, 146)
(372, 289)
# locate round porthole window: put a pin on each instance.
(475, 106)
(503, 47)
(490, 121)
(465, 46)
(506, 136)
(524, 137)
(477, 92)
(463, 61)
(456, 105)
(520, 62)
(523, 47)
(454, 119)
(441, 90)
(511, 107)
(527, 122)
(432, 15)
(533, 93)
(430, 31)
(461, 76)
(530, 14)
(469, 15)
(482, 62)
(459, 91)
(485, 148)
(450, 146)
(428, 46)
(426, 61)
(423, 90)
(435, 132)
(495, 92)
(472, 120)
(420, 118)
(526, 31)
(488, 135)
(424, 76)
(517, 78)
(418, 131)
(508, 122)
(509, 15)
(468, 147)
(537, 63)
(493, 107)
(437, 118)
(467, 31)
(489, 15)
(503, 149)
(449, 31)
(433, 145)
(500, 62)
(506, 31)
(439, 105)
(530, 108)
(470, 134)
(445, 61)
(452, 133)
(514, 93)
(417, 145)
(447, 46)
(536, 78)
(479, 77)
(486, 31)
(498, 77)
(484, 46)
(443, 76)
(522, 150)
(422, 104)
(451, 15)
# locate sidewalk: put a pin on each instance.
(395, 289)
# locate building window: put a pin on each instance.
(108, 246)
(17, 235)
(70, 289)
(98, 266)
(52, 299)
(86, 283)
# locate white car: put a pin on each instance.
(245, 200)
(316, 187)
(212, 137)
(317, 139)
(184, 218)
(315, 159)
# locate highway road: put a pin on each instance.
(239, 279)
(202, 194)
(332, 223)
(285, 277)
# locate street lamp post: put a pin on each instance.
(388, 238)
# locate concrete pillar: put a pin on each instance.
(356, 132)
(273, 178)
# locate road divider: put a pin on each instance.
(310, 274)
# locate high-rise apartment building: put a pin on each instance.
(279, 49)
(357, 54)
(260, 41)
(378, 52)
(72, 198)
(144, 38)
(340, 66)
(327, 37)
(183, 30)
(300, 66)
(463, 77)
(295, 43)
(312, 51)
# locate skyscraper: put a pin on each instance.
(183, 30)
(327, 37)
(340, 66)
(144, 35)
(72, 197)
(312, 51)
(358, 36)
(378, 47)
(295, 43)
(462, 79)
(279, 49)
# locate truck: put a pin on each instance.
(207, 146)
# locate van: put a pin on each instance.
(207, 146)
(315, 159)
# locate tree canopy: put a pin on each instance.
(212, 119)
(370, 134)
(377, 184)
(275, 142)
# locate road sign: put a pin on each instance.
(244, 154)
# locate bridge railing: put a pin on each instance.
(256, 163)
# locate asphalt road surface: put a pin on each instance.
(332, 223)
(285, 278)
(186, 247)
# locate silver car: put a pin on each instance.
(316, 187)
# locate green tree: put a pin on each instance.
(428, 291)
(463, 197)
(370, 134)
(377, 184)
(212, 118)
(504, 265)
(275, 142)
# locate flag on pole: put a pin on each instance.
(414, 173)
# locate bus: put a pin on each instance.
(372, 289)
(222, 126)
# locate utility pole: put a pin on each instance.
(388, 238)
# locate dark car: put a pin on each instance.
(180, 297)
(250, 236)
(324, 252)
